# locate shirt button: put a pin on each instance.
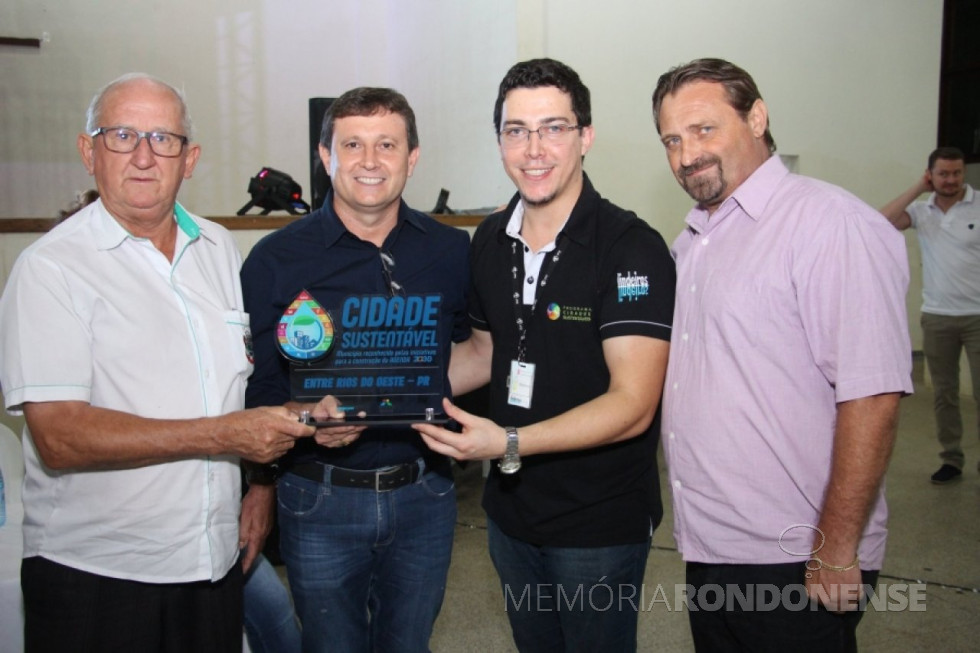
(675, 386)
(694, 287)
(677, 485)
(530, 280)
(684, 337)
(704, 242)
(671, 435)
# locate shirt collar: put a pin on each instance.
(334, 229)
(576, 226)
(109, 233)
(752, 195)
(967, 197)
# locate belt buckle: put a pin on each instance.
(394, 472)
(379, 476)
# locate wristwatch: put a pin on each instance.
(511, 462)
(261, 474)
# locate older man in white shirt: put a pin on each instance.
(124, 343)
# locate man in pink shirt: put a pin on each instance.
(789, 356)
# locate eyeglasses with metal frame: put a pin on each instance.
(124, 140)
(515, 135)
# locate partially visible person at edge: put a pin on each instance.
(571, 306)
(783, 385)
(79, 203)
(948, 226)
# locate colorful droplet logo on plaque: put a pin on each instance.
(305, 331)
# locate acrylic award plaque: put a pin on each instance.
(379, 356)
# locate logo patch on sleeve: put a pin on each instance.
(632, 286)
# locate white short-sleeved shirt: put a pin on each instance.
(91, 313)
(950, 244)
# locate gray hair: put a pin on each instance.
(94, 114)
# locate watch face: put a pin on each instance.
(509, 466)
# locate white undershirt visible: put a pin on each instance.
(532, 260)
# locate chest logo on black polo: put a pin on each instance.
(569, 313)
(632, 286)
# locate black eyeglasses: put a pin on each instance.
(387, 266)
(124, 140)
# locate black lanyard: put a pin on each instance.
(517, 260)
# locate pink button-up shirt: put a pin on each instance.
(790, 299)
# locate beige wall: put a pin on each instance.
(852, 87)
(248, 68)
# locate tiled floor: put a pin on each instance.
(934, 541)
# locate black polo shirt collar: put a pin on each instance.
(576, 227)
(334, 229)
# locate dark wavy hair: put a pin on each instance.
(545, 72)
(739, 86)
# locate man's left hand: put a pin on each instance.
(838, 591)
(328, 409)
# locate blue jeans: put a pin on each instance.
(570, 599)
(270, 621)
(367, 569)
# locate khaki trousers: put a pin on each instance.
(944, 337)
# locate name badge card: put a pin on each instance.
(377, 355)
(521, 384)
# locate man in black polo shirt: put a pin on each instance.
(571, 306)
(366, 522)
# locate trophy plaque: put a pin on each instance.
(379, 356)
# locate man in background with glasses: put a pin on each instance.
(366, 521)
(571, 307)
(124, 343)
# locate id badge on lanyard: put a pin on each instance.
(520, 383)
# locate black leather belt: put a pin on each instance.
(379, 480)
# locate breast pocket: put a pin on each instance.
(749, 316)
(242, 356)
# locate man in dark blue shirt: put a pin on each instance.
(366, 515)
